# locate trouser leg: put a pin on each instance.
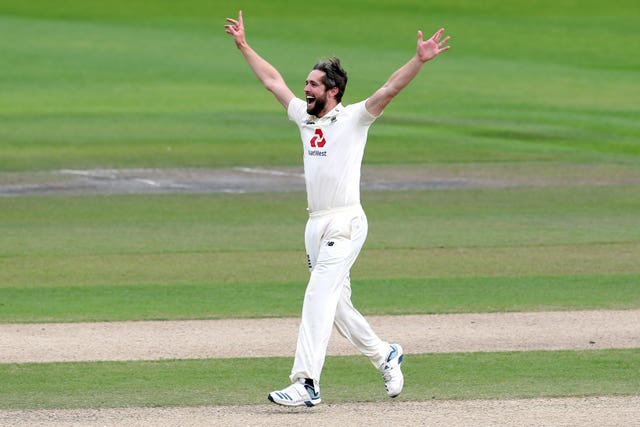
(354, 327)
(333, 245)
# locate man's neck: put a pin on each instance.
(327, 109)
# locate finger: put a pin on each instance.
(420, 36)
(438, 34)
(443, 42)
(232, 21)
(240, 17)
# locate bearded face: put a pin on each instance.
(315, 104)
(317, 95)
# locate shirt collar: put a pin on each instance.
(330, 116)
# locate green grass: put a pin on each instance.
(74, 258)
(178, 224)
(212, 256)
(345, 379)
(155, 84)
(374, 296)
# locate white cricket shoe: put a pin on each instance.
(297, 394)
(391, 372)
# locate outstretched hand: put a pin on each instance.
(236, 29)
(430, 48)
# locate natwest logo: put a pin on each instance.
(318, 140)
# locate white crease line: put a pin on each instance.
(89, 174)
(104, 174)
(268, 172)
(76, 172)
(148, 182)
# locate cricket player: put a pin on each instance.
(333, 139)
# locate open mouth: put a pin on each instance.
(310, 100)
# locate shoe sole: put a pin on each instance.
(307, 403)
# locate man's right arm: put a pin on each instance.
(266, 73)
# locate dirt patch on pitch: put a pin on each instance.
(584, 412)
(258, 179)
(231, 338)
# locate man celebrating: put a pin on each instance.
(333, 138)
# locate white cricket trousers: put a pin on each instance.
(333, 240)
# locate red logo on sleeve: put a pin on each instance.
(318, 140)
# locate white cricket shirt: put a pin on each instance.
(333, 149)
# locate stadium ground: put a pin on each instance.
(245, 337)
(419, 334)
(193, 339)
(584, 412)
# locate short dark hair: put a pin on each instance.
(334, 75)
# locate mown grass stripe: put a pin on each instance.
(345, 379)
(283, 299)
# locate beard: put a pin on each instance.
(317, 106)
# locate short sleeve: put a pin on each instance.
(365, 117)
(297, 110)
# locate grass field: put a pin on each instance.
(212, 256)
(216, 381)
(540, 85)
(150, 83)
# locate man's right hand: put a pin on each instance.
(236, 29)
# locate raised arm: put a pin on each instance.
(425, 51)
(266, 73)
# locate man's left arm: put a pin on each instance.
(425, 51)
